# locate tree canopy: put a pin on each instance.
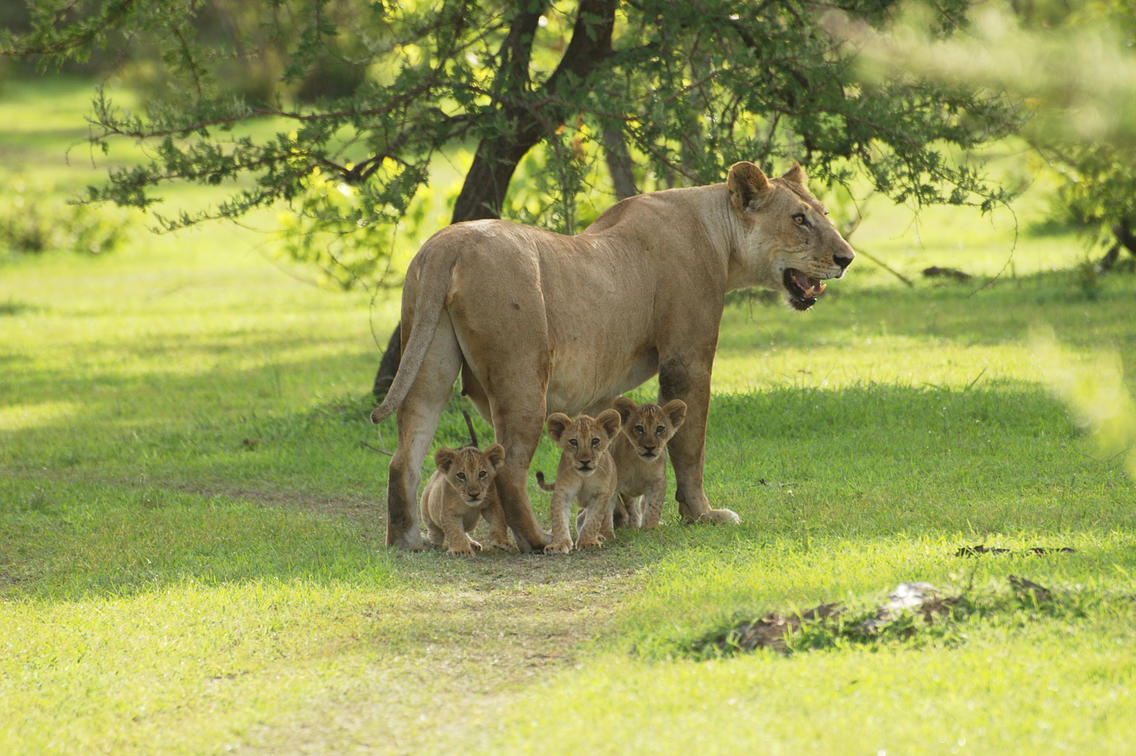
(339, 108)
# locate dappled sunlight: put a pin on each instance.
(16, 417)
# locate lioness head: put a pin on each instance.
(470, 471)
(585, 439)
(789, 240)
(649, 426)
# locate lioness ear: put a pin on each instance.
(749, 187)
(557, 423)
(444, 459)
(496, 455)
(610, 421)
(624, 407)
(796, 175)
(675, 410)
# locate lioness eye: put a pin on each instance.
(595, 441)
(800, 220)
(461, 476)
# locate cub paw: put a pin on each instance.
(559, 547)
(591, 543)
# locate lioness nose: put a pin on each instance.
(843, 262)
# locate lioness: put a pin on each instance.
(458, 493)
(537, 322)
(586, 474)
(640, 455)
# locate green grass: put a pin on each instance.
(192, 518)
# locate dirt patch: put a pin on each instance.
(913, 610)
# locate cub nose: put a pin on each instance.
(843, 262)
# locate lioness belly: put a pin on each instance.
(581, 382)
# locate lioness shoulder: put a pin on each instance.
(459, 493)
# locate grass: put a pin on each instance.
(191, 524)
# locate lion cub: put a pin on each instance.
(586, 474)
(640, 455)
(459, 492)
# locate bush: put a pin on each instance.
(36, 220)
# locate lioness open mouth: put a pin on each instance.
(803, 290)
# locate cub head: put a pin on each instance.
(585, 439)
(787, 241)
(648, 426)
(470, 471)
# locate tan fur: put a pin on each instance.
(536, 322)
(640, 455)
(586, 474)
(459, 492)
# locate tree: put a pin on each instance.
(1077, 96)
(667, 93)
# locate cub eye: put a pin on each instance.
(640, 429)
(481, 475)
(572, 442)
(660, 430)
(595, 442)
(461, 476)
(800, 219)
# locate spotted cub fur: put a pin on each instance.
(586, 474)
(640, 455)
(459, 492)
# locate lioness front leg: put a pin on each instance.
(689, 380)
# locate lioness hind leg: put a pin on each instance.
(519, 432)
(417, 420)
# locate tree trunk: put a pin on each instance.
(497, 157)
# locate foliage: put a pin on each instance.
(684, 88)
(34, 220)
(1078, 94)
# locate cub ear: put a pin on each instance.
(796, 175)
(557, 423)
(675, 410)
(749, 187)
(496, 455)
(444, 459)
(624, 407)
(610, 421)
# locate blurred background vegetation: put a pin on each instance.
(345, 127)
